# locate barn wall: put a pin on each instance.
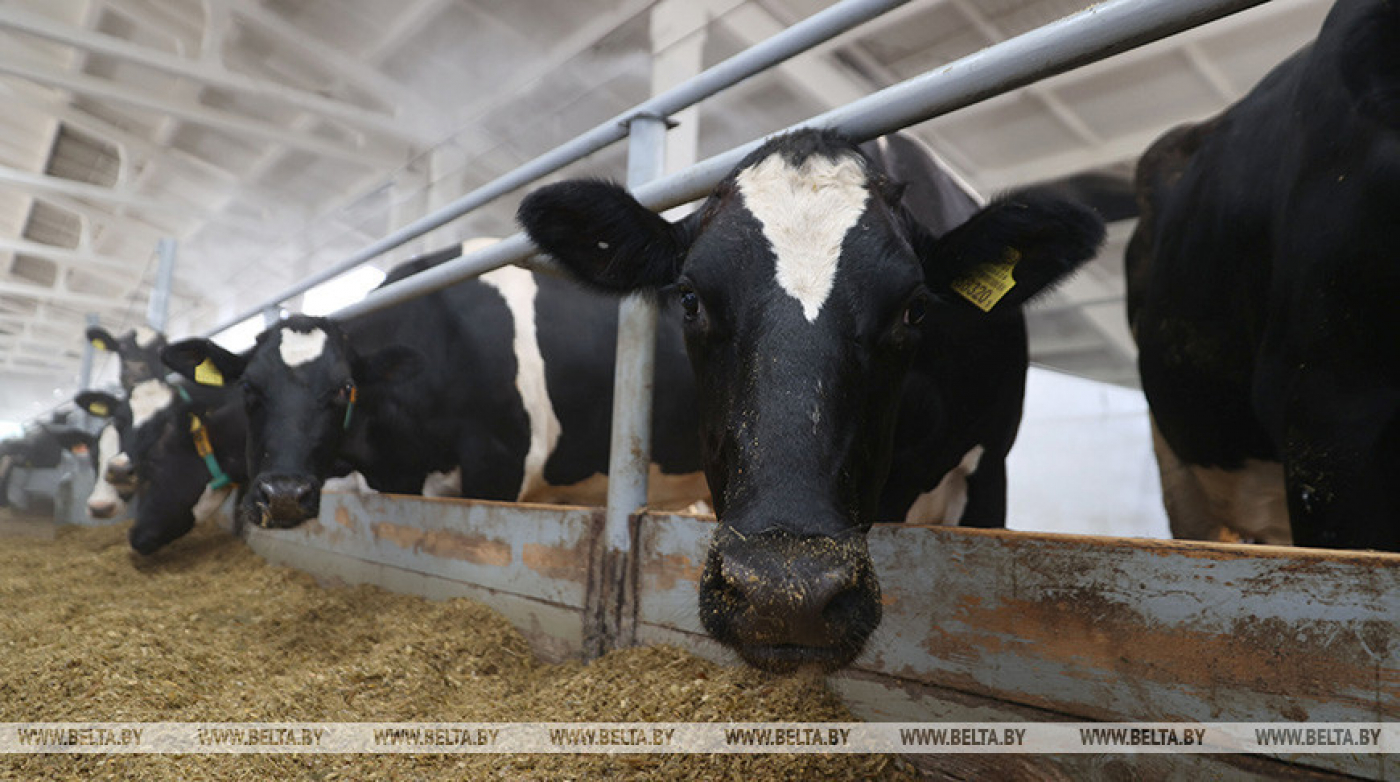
(1083, 461)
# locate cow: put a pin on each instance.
(166, 431)
(854, 364)
(498, 388)
(1261, 287)
(138, 350)
(41, 448)
(115, 483)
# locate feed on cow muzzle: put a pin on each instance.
(782, 601)
(280, 502)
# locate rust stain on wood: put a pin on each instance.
(555, 562)
(665, 572)
(1103, 639)
(1295, 556)
(342, 517)
(477, 549)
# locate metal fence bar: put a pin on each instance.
(629, 457)
(1091, 35)
(794, 40)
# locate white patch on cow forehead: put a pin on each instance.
(148, 398)
(806, 213)
(108, 444)
(145, 337)
(301, 347)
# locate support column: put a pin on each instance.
(677, 28)
(158, 309)
(85, 369)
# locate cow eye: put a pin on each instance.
(690, 302)
(915, 310)
(252, 397)
(343, 393)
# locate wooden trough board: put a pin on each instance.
(978, 625)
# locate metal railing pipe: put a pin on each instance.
(802, 36)
(1085, 37)
(1091, 35)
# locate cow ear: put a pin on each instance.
(1013, 249)
(97, 403)
(603, 236)
(102, 339)
(394, 364)
(203, 362)
(1371, 67)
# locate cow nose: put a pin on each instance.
(144, 542)
(785, 607)
(782, 600)
(102, 509)
(286, 500)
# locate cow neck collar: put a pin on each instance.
(350, 405)
(199, 433)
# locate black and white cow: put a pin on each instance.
(115, 482)
(1262, 281)
(500, 388)
(138, 349)
(177, 484)
(837, 339)
(40, 448)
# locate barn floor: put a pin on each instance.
(207, 631)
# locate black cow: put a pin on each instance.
(176, 483)
(832, 332)
(500, 387)
(40, 448)
(138, 350)
(1262, 281)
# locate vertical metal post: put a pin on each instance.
(85, 369)
(158, 310)
(614, 624)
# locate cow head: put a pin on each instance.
(806, 288)
(116, 475)
(138, 349)
(305, 390)
(157, 459)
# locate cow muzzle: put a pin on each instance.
(284, 501)
(121, 474)
(783, 601)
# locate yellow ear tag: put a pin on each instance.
(206, 374)
(985, 285)
(97, 343)
(97, 408)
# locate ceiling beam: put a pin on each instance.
(78, 259)
(830, 85)
(209, 73)
(343, 66)
(41, 99)
(61, 295)
(29, 182)
(109, 91)
(1048, 100)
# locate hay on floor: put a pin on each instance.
(207, 631)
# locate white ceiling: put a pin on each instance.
(272, 138)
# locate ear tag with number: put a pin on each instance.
(985, 285)
(206, 374)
